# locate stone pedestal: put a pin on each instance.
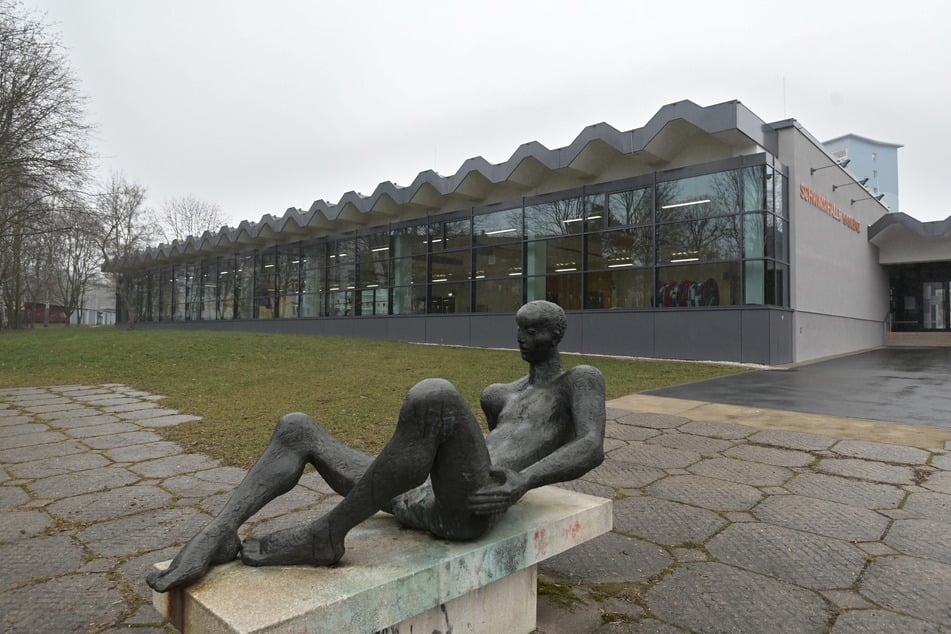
(392, 578)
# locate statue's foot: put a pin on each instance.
(211, 545)
(309, 544)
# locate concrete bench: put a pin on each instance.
(395, 580)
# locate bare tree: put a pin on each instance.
(125, 228)
(43, 145)
(75, 256)
(188, 216)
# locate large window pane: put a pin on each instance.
(313, 273)
(755, 189)
(409, 300)
(192, 292)
(452, 266)
(244, 285)
(499, 261)
(497, 227)
(450, 234)
(341, 271)
(619, 288)
(407, 241)
(265, 285)
(449, 297)
(408, 271)
(555, 218)
(561, 255)
(703, 239)
(699, 285)
(288, 282)
(373, 254)
(226, 287)
(698, 197)
(754, 282)
(178, 294)
(631, 207)
(564, 290)
(209, 293)
(754, 235)
(498, 296)
(622, 248)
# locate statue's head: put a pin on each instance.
(541, 326)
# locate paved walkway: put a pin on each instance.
(727, 519)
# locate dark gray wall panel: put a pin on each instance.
(780, 337)
(698, 334)
(448, 329)
(407, 329)
(754, 336)
(626, 334)
(493, 331)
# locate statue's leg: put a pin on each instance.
(436, 434)
(296, 441)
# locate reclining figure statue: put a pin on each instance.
(438, 472)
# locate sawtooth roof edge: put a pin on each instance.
(710, 119)
(929, 229)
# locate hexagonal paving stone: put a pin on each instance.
(868, 621)
(69, 484)
(610, 558)
(708, 493)
(41, 452)
(808, 560)
(74, 603)
(588, 488)
(742, 472)
(942, 461)
(712, 597)
(868, 495)
(148, 451)
(192, 487)
(657, 421)
(146, 531)
(929, 539)
(35, 438)
(665, 522)
(629, 432)
(823, 517)
(867, 470)
(110, 504)
(727, 431)
(15, 525)
(64, 464)
(655, 456)
(910, 585)
(936, 506)
(38, 557)
(793, 440)
(24, 428)
(623, 475)
(881, 451)
(770, 455)
(691, 442)
(939, 481)
(123, 440)
(174, 465)
(12, 496)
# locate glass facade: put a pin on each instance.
(654, 242)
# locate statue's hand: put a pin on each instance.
(507, 488)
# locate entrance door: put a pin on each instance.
(935, 305)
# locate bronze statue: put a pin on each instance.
(438, 472)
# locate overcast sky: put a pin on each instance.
(264, 105)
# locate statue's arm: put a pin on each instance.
(492, 402)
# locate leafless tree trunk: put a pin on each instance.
(125, 229)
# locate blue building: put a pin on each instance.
(867, 158)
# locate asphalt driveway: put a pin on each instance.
(901, 385)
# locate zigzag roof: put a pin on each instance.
(594, 149)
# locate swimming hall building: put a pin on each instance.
(706, 234)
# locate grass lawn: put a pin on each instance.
(242, 382)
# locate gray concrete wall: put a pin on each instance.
(740, 334)
(838, 290)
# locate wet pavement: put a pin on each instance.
(726, 519)
(905, 385)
